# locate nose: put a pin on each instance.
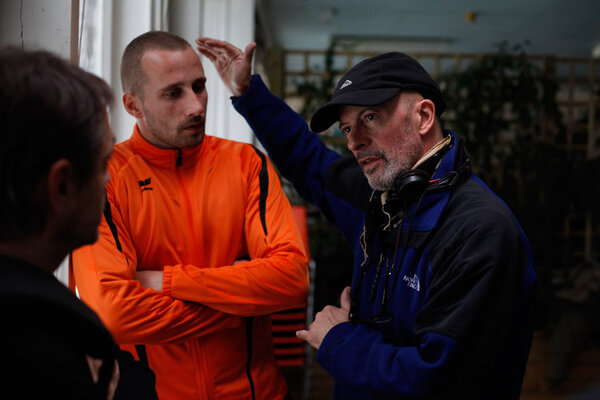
(195, 104)
(357, 139)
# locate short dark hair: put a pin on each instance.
(133, 77)
(49, 110)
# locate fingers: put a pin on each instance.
(114, 382)
(249, 52)
(208, 52)
(302, 334)
(309, 338)
(207, 48)
(213, 48)
(346, 299)
(94, 364)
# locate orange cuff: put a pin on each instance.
(167, 280)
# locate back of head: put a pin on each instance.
(49, 110)
(132, 74)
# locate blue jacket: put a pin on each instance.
(443, 283)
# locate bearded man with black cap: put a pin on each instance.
(441, 302)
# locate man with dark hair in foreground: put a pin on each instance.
(54, 147)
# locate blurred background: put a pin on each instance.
(522, 83)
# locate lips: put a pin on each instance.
(194, 126)
(364, 162)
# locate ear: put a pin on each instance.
(61, 184)
(426, 110)
(133, 105)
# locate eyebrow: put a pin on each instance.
(171, 86)
(176, 85)
(361, 112)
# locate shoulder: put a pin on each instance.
(227, 145)
(122, 154)
(247, 153)
(477, 236)
(474, 202)
(475, 214)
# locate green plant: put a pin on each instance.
(504, 105)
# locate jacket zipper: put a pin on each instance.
(198, 347)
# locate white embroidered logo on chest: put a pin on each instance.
(413, 282)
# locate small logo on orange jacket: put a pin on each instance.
(145, 184)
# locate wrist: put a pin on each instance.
(238, 90)
(237, 93)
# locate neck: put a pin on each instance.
(148, 137)
(35, 250)
(436, 151)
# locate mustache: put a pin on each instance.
(191, 122)
(371, 153)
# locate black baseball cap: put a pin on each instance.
(374, 81)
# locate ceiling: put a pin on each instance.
(569, 28)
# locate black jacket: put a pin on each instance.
(47, 333)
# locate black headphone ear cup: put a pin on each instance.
(411, 183)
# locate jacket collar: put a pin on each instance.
(166, 158)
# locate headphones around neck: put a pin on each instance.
(410, 184)
(415, 182)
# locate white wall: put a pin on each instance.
(36, 24)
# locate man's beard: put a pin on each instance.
(396, 163)
(176, 139)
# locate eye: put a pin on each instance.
(345, 130)
(370, 117)
(173, 93)
(198, 87)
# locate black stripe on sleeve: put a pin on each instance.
(140, 348)
(111, 223)
(264, 189)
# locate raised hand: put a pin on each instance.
(233, 65)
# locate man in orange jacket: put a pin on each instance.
(183, 208)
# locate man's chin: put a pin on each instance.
(379, 181)
(191, 137)
(376, 184)
(194, 131)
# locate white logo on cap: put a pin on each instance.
(347, 83)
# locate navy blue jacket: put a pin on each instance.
(453, 268)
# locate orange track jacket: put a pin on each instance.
(192, 213)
